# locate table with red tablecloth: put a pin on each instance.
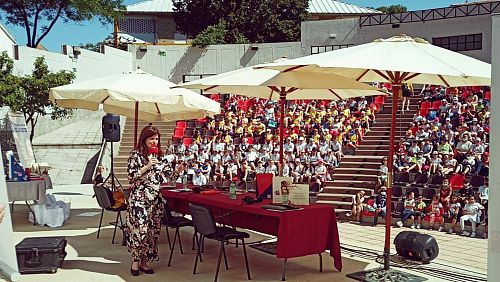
(310, 230)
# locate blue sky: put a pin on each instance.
(92, 32)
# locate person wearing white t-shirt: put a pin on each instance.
(199, 179)
(472, 212)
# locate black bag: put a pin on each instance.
(41, 255)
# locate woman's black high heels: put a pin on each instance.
(134, 272)
(147, 271)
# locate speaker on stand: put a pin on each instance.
(111, 133)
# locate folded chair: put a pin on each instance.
(204, 224)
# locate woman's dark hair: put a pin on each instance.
(146, 133)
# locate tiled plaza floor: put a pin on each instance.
(91, 259)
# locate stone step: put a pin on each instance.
(354, 158)
(354, 177)
(368, 165)
(381, 153)
(379, 142)
(387, 119)
(346, 198)
(357, 170)
(351, 183)
(364, 146)
(336, 204)
(347, 190)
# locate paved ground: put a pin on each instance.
(91, 259)
(68, 148)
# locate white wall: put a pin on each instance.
(494, 196)
(348, 31)
(6, 41)
(183, 59)
(87, 65)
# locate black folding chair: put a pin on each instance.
(174, 222)
(204, 224)
(104, 198)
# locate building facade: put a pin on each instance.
(153, 20)
(464, 28)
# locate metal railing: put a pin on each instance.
(459, 11)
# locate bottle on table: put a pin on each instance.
(232, 191)
(184, 182)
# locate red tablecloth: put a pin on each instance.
(311, 230)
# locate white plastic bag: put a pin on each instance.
(53, 216)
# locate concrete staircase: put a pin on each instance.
(127, 144)
(359, 171)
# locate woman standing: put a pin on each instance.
(145, 206)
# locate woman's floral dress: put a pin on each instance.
(145, 208)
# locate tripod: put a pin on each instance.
(111, 174)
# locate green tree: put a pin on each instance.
(393, 9)
(38, 17)
(245, 20)
(30, 94)
(213, 34)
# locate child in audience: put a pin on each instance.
(435, 210)
(472, 212)
(453, 212)
(408, 212)
(420, 210)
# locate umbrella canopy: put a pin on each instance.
(416, 61)
(266, 83)
(135, 94)
(270, 84)
(397, 60)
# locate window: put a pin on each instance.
(326, 48)
(460, 43)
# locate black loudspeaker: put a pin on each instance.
(415, 246)
(111, 128)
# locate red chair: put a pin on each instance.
(180, 124)
(179, 132)
(425, 105)
(187, 141)
(215, 97)
(457, 181)
(424, 112)
(487, 96)
(436, 105)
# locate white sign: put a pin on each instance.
(22, 139)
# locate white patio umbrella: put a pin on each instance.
(136, 94)
(399, 59)
(272, 84)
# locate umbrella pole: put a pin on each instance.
(396, 87)
(282, 128)
(136, 122)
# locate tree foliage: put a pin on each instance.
(213, 34)
(245, 20)
(393, 9)
(30, 94)
(38, 17)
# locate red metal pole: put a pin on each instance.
(282, 127)
(136, 122)
(390, 165)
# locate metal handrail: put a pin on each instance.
(458, 11)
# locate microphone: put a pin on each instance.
(153, 150)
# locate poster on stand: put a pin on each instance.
(22, 139)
